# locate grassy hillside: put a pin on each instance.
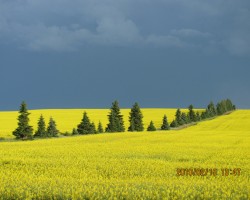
(131, 165)
(67, 119)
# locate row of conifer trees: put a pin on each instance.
(116, 122)
(181, 118)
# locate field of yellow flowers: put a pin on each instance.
(129, 165)
(67, 119)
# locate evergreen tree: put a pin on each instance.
(41, 128)
(75, 132)
(135, 118)
(174, 124)
(151, 127)
(185, 118)
(234, 107)
(116, 123)
(165, 125)
(51, 129)
(100, 128)
(225, 106)
(221, 108)
(132, 126)
(92, 128)
(229, 105)
(191, 113)
(198, 117)
(85, 127)
(178, 118)
(211, 110)
(112, 125)
(24, 130)
(204, 115)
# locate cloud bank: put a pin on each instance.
(64, 25)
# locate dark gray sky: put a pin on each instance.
(87, 53)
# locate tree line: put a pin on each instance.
(115, 121)
(182, 118)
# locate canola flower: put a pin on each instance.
(67, 119)
(131, 165)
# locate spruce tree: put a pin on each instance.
(224, 103)
(229, 105)
(204, 115)
(185, 118)
(151, 127)
(174, 124)
(234, 107)
(24, 130)
(224, 106)
(92, 128)
(178, 118)
(116, 123)
(100, 128)
(198, 117)
(165, 125)
(112, 125)
(85, 127)
(135, 119)
(221, 108)
(51, 129)
(211, 110)
(191, 113)
(131, 128)
(41, 128)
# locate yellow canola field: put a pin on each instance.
(132, 165)
(67, 119)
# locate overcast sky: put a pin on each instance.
(160, 53)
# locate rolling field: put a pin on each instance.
(128, 165)
(67, 119)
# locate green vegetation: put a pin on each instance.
(133, 165)
(100, 128)
(225, 106)
(165, 125)
(116, 123)
(135, 119)
(24, 130)
(191, 114)
(86, 127)
(41, 128)
(222, 107)
(151, 127)
(75, 132)
(51, 129)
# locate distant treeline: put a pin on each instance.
(211, 111)
(115, 121)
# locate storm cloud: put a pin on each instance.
(64, 25)
(161, 53)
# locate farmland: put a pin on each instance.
(126, 165)
(67, 119)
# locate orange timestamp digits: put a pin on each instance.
(207, 171)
